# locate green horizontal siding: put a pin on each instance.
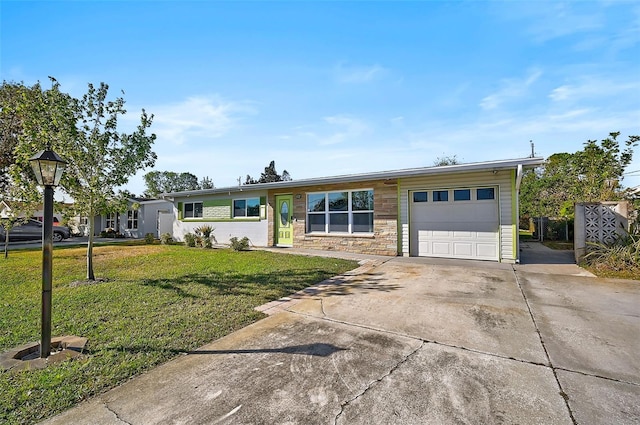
(217, 203)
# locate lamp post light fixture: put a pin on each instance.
(48, 168)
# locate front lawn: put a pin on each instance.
(158, 301)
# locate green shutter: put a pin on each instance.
(179, 210)
(263, 200)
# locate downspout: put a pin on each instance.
(517, 235)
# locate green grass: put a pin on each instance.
(158, 301)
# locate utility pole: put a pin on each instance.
(533, 154)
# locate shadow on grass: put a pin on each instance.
(316, 282)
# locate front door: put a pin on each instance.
(283, 214)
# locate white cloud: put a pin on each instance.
(545, 21)
(512, 88)
(347, 74)
(593, 87)
(348, 129)
(196, 118)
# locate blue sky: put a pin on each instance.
(329, 88)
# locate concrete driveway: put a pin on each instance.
(409, 341)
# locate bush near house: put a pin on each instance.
(204, 236)
(159, 301)
(239, 244)
(111, 233)
(190, 240)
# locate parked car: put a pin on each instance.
(32, 230)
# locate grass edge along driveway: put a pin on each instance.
(157, 301)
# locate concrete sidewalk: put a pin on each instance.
(404, 341)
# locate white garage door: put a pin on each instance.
(455, 223)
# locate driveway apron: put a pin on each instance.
(407, 341)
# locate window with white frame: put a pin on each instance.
(192, 209)
(132, 219)
(340, 212)
(110, 221)
(246, 207)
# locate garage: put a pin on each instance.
(455, 223)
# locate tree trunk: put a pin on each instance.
(90, 223)
(6, 244)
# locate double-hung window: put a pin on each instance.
(132, 219)
(340, 212)
(192, 209)
(246, 207)
(111, 221)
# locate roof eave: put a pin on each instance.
(380, 175)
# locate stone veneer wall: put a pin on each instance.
(385, 220)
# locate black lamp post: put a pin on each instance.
(48, 168)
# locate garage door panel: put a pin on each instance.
(488, 251)
(424, 248)
(441, 248)
(489, 236)
(463, 249)
(461, 235)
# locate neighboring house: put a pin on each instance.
(6, 211)
(57, 214)
(141, 217)
(465, 211)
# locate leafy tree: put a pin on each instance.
(206, 183)
(168, 181)
(85, 133)
(269, 175)
(10, 127)
(16, 189)
(446, 160)
(28, 116)
(590, 175)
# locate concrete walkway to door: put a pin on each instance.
(409, 341)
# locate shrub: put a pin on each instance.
(149, 238)
(204, 235)
(190, 239)
(204, 231)
(239, 245)
(166, 239)
(109, 233)
(621, 255)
